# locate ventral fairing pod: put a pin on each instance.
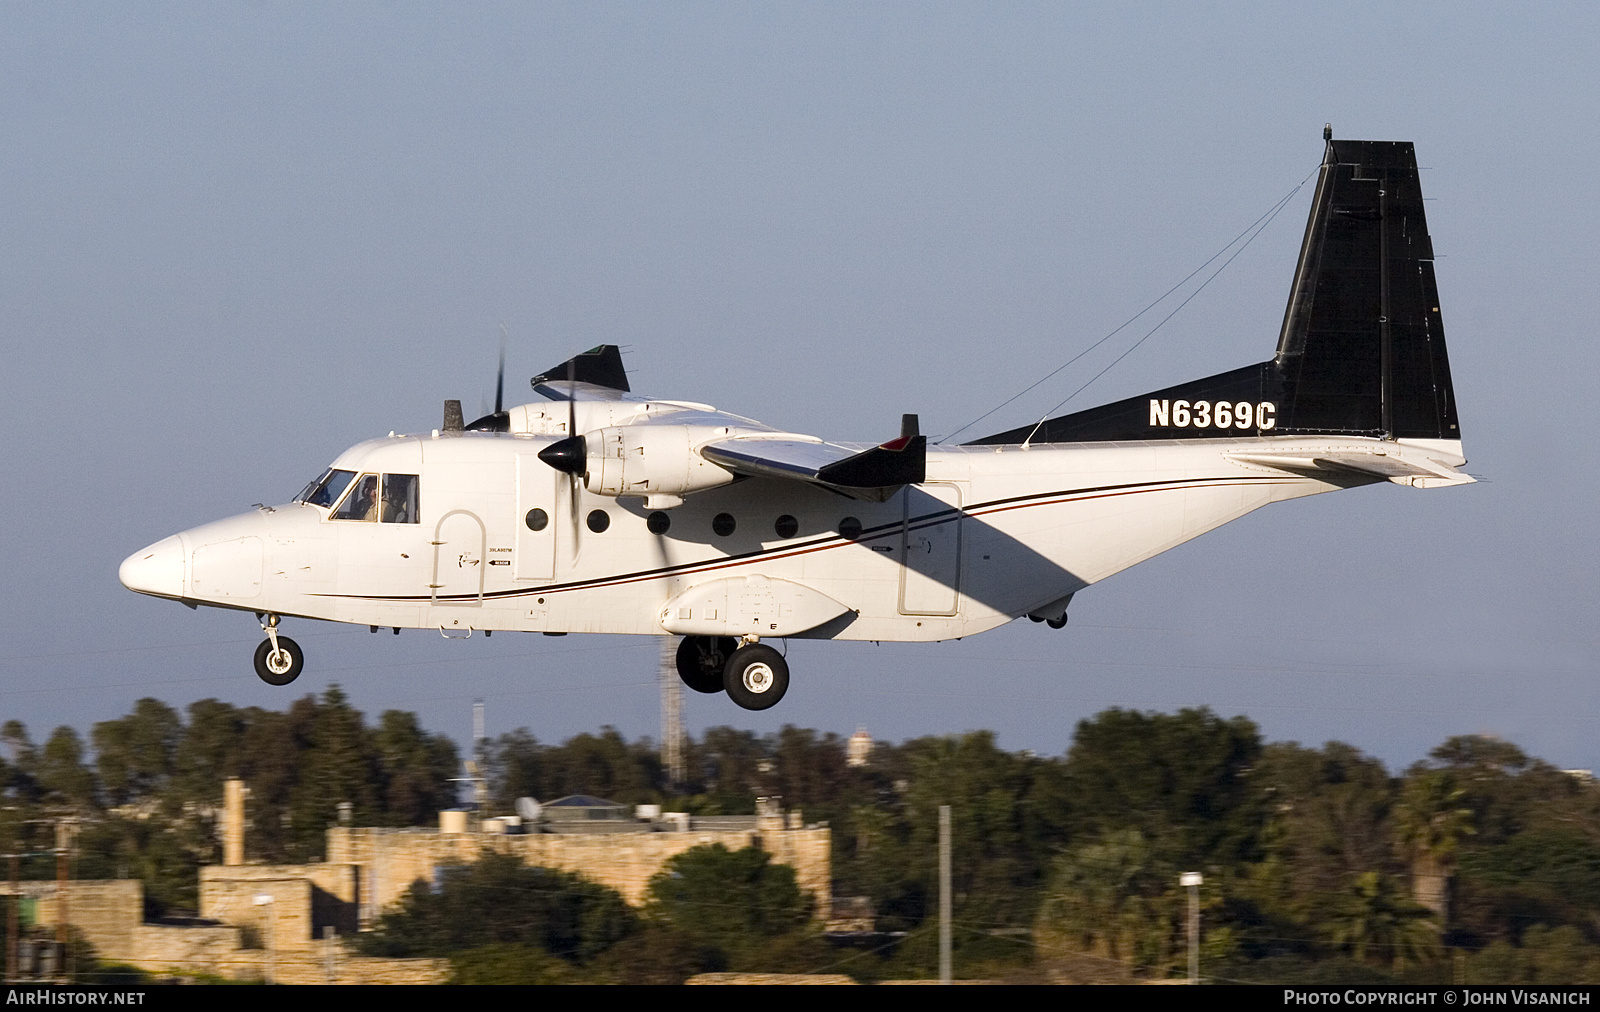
(600, 511)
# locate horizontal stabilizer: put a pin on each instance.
(1401, 469)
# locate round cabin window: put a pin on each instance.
(723, 524)
(537, 519)
(658, 522)
(599, 520)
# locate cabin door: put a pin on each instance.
(460, 544)
(930, 579)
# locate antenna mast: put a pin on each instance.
(671, 714)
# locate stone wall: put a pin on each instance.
(368, 870)
(390, 860)
(106, 912)
(306, 900)
(110, 915)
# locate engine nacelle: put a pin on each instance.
(654, 461)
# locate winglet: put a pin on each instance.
(900, 461)
(874, 474)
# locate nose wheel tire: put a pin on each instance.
(756, 676)
(701, 660)
(280, 666)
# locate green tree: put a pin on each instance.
(1182, 780)
(1373, 919)
(1546, 956)
(735, 903)
(1111, 898)
(1002, 861)
(732, 768)
(1431, 819)
(136, 755)
(605, 765)
(499, 901)
(417, 769)
(21, 783)
(1328, 819)
(515, 767)
(65, 779)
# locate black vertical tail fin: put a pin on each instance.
(1362, 346)
(1361, 351)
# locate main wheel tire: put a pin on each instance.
(756, 676)
(1057, 623)
(280, 667)
(701, 660)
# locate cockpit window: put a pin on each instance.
(326, 490)
(362, 502)
(399, 499)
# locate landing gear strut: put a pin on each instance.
(278, 658)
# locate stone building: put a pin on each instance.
(281, 921)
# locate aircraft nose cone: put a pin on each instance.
(569, 455)
(156, 570)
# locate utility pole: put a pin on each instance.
(478, 734)
(944, 894)
(671, 714)
(64, 834)
(13, 922)
(1191, 880)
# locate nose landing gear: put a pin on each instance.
(278, 658)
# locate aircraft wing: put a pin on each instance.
(875, 472)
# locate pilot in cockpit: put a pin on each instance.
(363, 501)
(369, 492)
(399, 498)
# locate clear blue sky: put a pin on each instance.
(237, 238)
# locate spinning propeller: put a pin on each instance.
(570, 455)
(498, 421)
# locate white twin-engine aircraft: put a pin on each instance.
(602, 512)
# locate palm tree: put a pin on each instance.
(1110, 898)
(1430, 822)
(1372, 916)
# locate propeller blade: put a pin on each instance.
(500, 377)
(498, 420)
(572, 429)
(572, 393)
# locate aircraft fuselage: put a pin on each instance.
(993, 534)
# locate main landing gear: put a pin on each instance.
(754, 675)
(1053, 614)
(278, 658)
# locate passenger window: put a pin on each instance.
(400, 499)
(362, 502)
